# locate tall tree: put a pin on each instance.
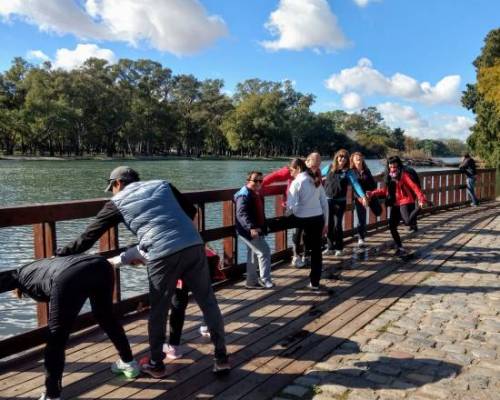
(483, 100)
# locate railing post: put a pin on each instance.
(230, 246)
(44, 235)
(109, 241)
(435, 188)
(349, 215)
(280, 238)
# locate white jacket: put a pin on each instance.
(305, 199)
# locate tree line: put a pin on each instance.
(141, 108)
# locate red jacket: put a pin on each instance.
(280, 175)
(406, 190)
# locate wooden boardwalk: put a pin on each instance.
(273, 336)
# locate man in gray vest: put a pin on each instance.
(161, 218)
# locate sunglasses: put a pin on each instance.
(257, 180)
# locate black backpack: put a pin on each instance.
(413, 175)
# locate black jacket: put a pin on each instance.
(468, 167)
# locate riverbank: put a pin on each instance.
(142, 158)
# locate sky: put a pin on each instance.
(411, 59)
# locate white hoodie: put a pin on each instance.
(305, 199)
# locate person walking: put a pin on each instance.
(66, 283)
(367, 183)
(468, 167)
(338, 176)
(400, 192)
(308, 208)
(161, 218)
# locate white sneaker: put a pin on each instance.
(361, 243)
(338, 253)
(130, 370)
(265, 283)
(172, 352)
(204, 331)
(297, 262)
(328, 252)
(44, 397)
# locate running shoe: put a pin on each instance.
(297, 262)
(401, 252)
(221, 366)
(204, 332)
(328, 252)
(129, 369)
(361, 242)
(338, 253)
(154, 369)
(172, 352)
(265, 283)
(253, 285)
(312, 287)
(306, 260)
(44, 397)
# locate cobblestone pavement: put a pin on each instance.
(440, 341)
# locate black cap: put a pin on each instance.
(124, 174)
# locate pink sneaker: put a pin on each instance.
(172, 352)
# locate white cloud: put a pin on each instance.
(436, 127)
(364, 3)
(366, 80)
(301, 24)
(176, 26)
(37, 55)
(70, 59)
(352, 101)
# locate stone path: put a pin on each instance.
(440, 341)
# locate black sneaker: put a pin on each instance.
(155, 369)
(253, 285)
(310, 286)
(221, 366)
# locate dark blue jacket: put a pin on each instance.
(246, 213)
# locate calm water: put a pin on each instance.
(27, 182)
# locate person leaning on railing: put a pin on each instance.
(66, 283)
(161, 218)
(468, 167)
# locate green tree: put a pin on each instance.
(482, 99)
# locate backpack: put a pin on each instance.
(413, 175)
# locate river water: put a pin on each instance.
(28, 182)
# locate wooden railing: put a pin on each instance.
(446, 189)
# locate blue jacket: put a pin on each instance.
(246, 213)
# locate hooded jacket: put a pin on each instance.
(246, 212)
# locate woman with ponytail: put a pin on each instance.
(306, 201)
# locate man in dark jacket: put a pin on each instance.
(161, 217)
(251, 227)
(468, 167)
(66, 283)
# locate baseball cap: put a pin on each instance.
(122, 173)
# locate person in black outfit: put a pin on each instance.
(468, 167)
(66, 283)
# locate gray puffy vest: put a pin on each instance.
(151, 211)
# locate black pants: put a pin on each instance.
(335, 231)
(178, 314)
(191, 266)
(408, 213)
(361, 214)
(296, 245)
(313, 230)
(82, 281)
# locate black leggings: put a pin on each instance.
(335, 230)
(407, 212)
(178, 314)
(70, 290)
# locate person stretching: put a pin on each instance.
(66, 283)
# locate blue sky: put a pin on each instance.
(411, 59)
